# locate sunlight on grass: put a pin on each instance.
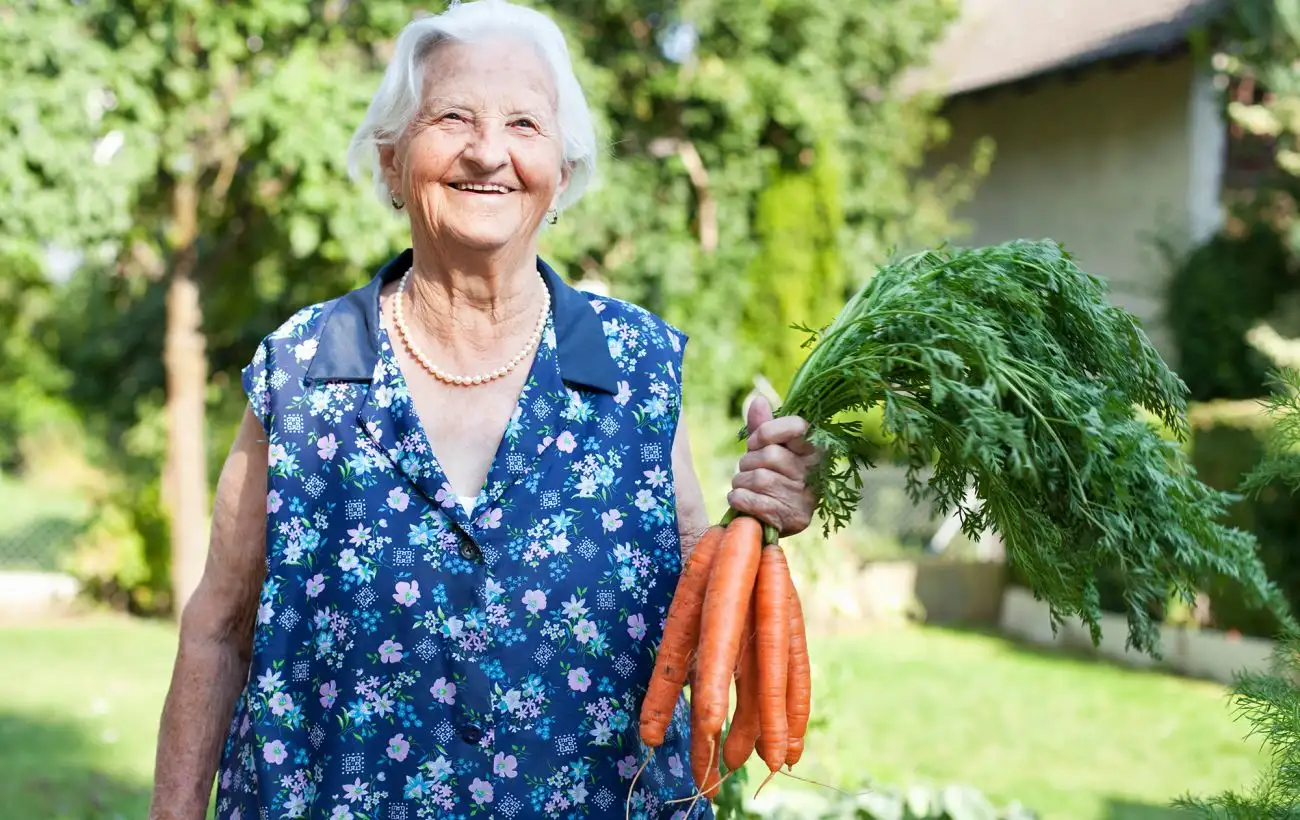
(1067, 737)
(79, 706)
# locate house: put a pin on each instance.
(1106, 131)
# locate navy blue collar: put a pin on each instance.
(349, 342)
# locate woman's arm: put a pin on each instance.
(692, 517)
(216, 635)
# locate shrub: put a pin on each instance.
(917, 802)
(1228, 440)
(1217, 293)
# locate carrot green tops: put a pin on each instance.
(416, 657)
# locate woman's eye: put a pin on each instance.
(453, 116)
(526, 123)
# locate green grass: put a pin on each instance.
(1070, 738)
(79, 705)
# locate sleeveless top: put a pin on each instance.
(416, 656)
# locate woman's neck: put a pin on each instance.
(473, 303)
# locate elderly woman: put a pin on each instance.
(449, 529)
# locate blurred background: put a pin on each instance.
(173, 188)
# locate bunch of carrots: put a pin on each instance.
(736, 614)
(1003, 370)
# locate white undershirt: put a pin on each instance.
(467, 502)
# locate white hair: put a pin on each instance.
(400, 92)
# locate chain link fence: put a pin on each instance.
(38, 527)
(40, 546)
(888, 522)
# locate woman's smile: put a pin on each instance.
(489, 188)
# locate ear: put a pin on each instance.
(390, 164)
(566, 172)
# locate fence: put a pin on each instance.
(38, 546)
(38, 526)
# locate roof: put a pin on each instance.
(996, 42)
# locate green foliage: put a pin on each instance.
(1281, 462)
(33, 379)
(72, 162)
(1228, 443)
(917, 802)
(1007, 369)
(148, 133)
(798, 275)
(1215, 296)
(119, 108)
(1269, 702)
(707, 106)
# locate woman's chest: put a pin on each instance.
(585, 500)
(464, 426)
(575, 564)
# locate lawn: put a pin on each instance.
(79, 705)
(1070, 738)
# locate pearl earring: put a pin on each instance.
(397, 203)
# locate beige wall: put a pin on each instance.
(1102, 163)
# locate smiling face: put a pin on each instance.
(481, 163)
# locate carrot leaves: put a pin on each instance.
(1269, 700)
(1006, 369)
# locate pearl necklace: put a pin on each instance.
(465, 381)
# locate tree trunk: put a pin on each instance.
(184, 357)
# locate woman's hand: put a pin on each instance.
(771, 481)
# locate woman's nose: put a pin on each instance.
(487, 144)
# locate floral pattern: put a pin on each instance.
(414, 660)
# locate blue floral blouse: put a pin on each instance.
(419, 658)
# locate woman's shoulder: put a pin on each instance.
(296, 338)
(282, 357)
(619, 317)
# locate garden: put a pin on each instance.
(758, 185)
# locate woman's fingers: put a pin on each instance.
(773, 498)
(787, 431)
(778, 459)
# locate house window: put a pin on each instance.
(1251, 158)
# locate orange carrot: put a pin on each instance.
(744, 730)
(798, 692)
(681, 633)
(793, 752)
(703, 760)
(772, 621)
(731, 586)
(713, 778)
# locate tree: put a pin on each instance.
(204, 142)
(203, 146)
(799, 276)
(1256, 54)
(761, 165)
